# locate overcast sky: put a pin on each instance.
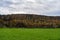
(40, 7)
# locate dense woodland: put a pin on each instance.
(29, 21)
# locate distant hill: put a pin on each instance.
(29, 21)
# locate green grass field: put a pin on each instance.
(29, 34)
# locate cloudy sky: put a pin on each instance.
(40, 7)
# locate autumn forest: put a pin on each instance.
(29, 21)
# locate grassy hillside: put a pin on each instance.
(29, 34)
(29, 21)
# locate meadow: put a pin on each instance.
(29, 34)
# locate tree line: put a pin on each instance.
(29, 21)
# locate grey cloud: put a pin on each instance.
(31, 6)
